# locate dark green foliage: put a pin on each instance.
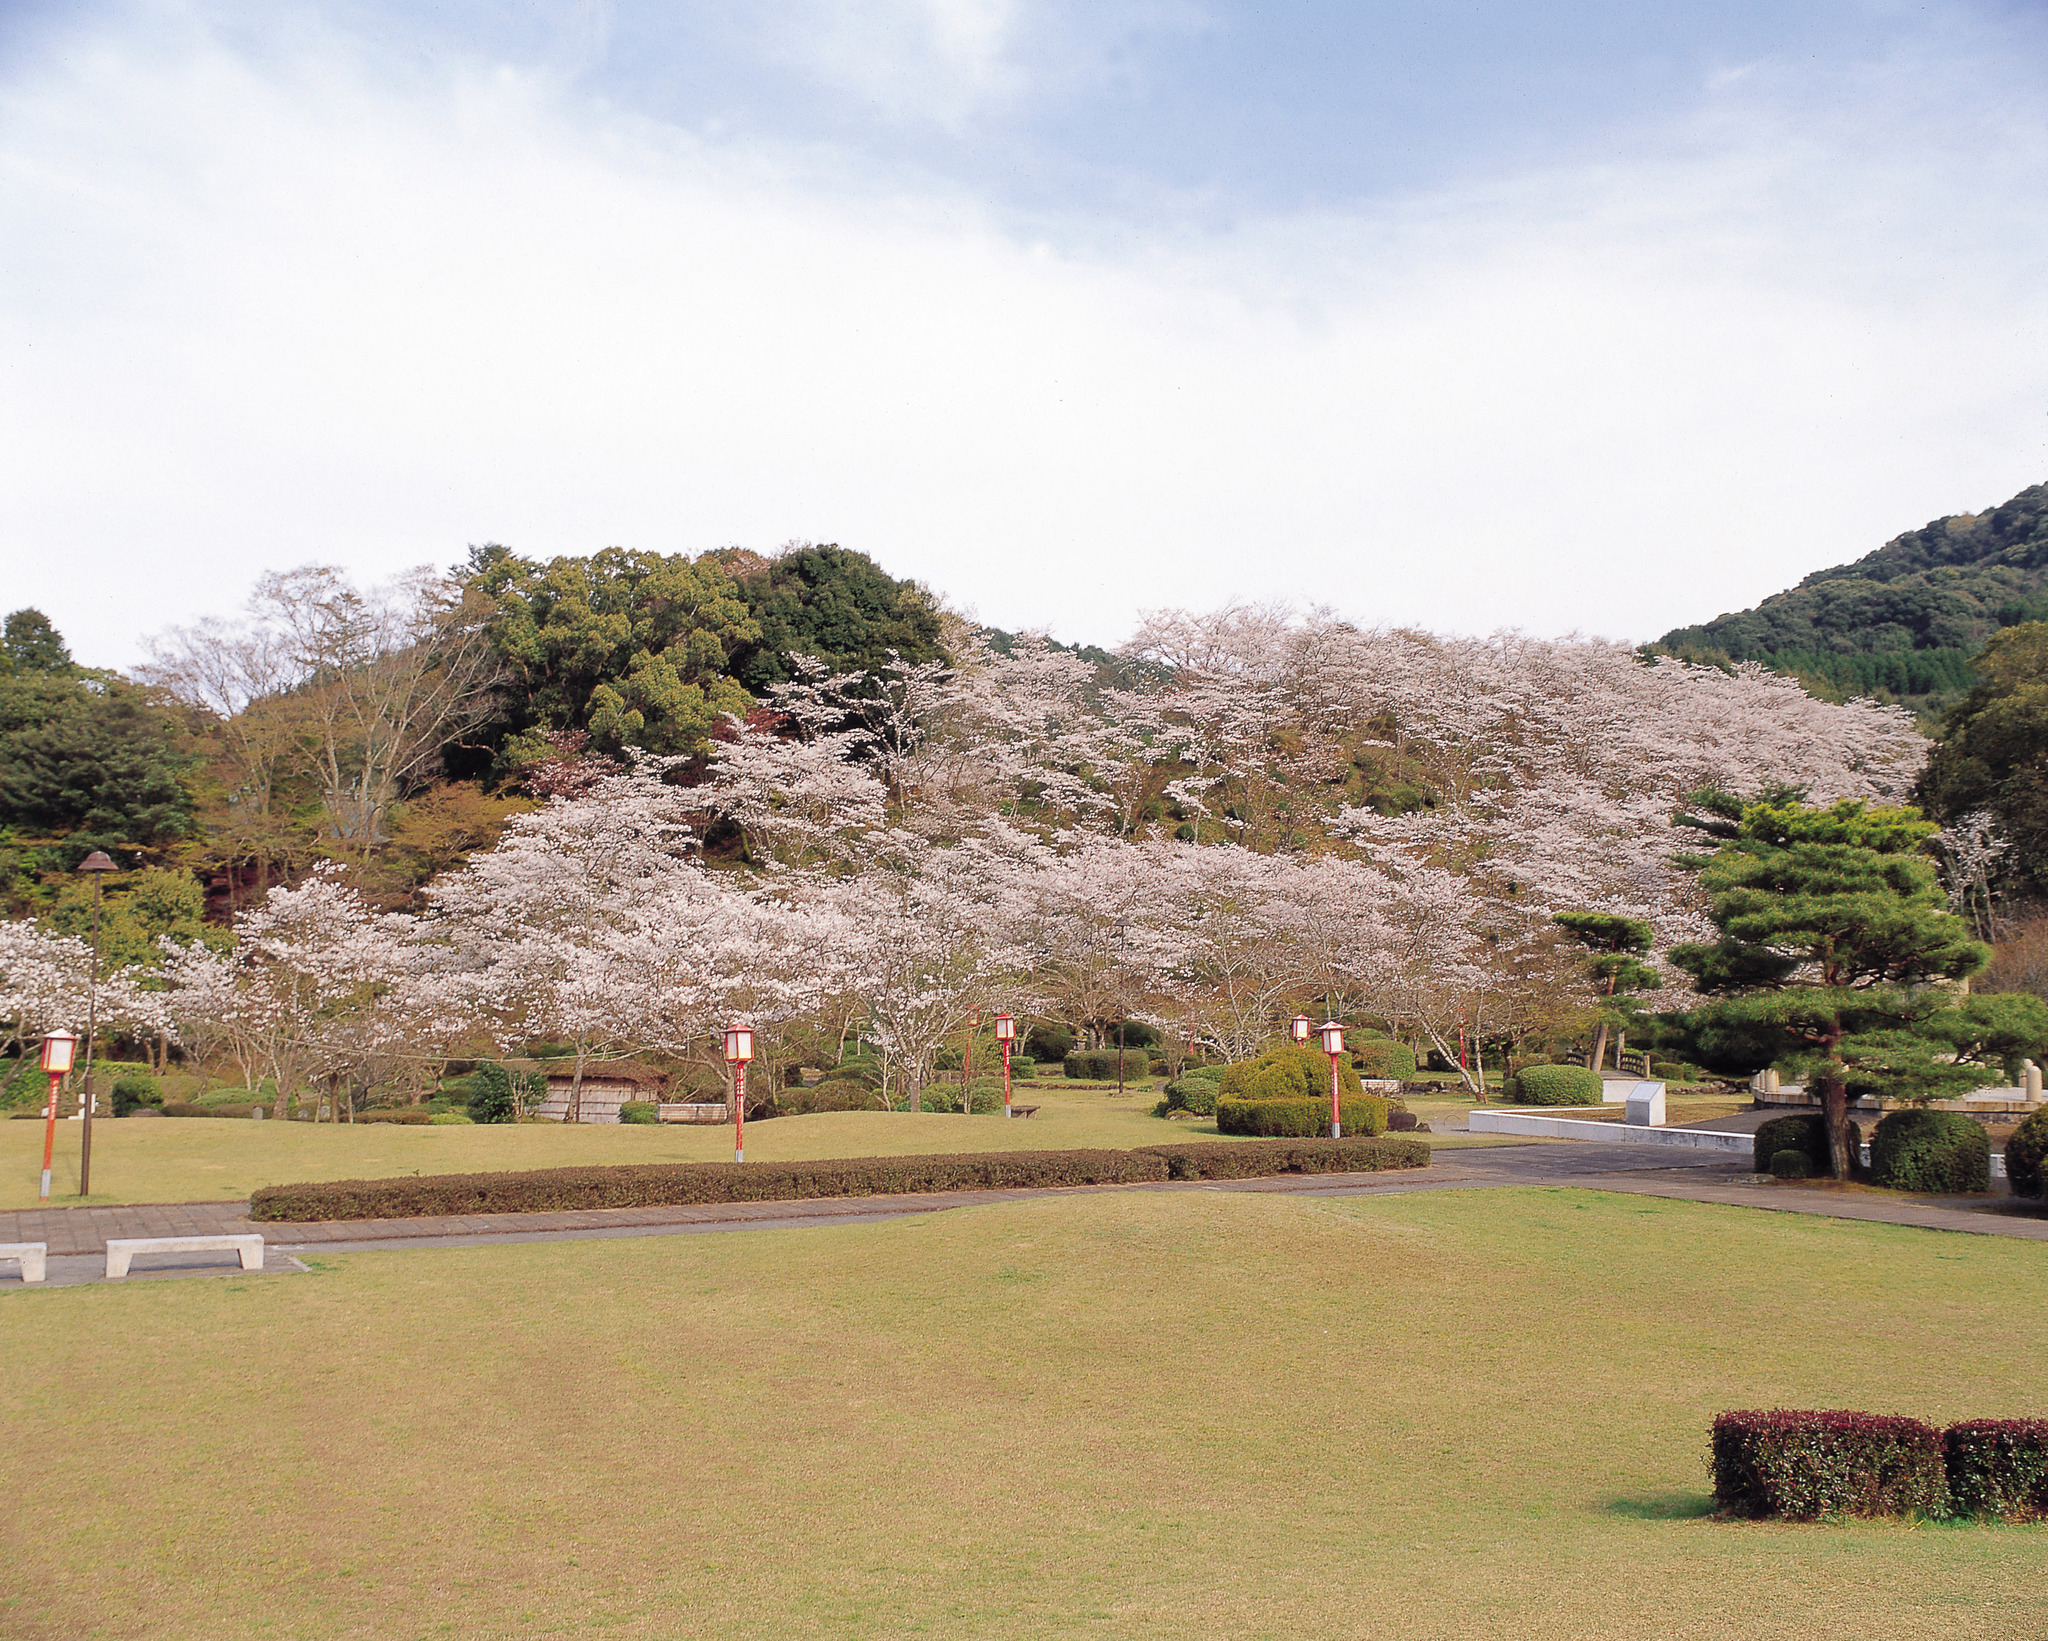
(1998, 1468)
(1361, 1114)
(1049, 1042)
(634, 1111)
(1903, 618)
(1806, 1134)
(1195, 1092)
(1940, 1151)
(29, 643)
(837, 605)
(493, 1098)
(1791, 1165)
(1993, 753)
(184, 1108)
(2024, 1153)
(135, 1089)
(94, 761)
(1099, 1064)
(1291, 1071)
(406, 1116)
(1556, 1085)
(1803, 1466)
(1263, 1159)
(984, 1096)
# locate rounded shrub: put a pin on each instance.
(1195, 1092)
(1292, 1071)
(1942, 1151)
(834, 1094)
(1556, 1085)
(1383, 1057)
(1791, 1165)
(134, 1090)
(1022, 1068)
(637, 1111)
(2024, 1154)
(1098, 1065)
(1808, 1135)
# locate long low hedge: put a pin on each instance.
(663, 1185)
(1361, 1114)
(1802, 1466)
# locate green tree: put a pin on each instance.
(1837, 954)
(631, 647)
(1993, 753)
(29, 643)
(833, 603)
(1615, 966)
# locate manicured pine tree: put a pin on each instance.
(1616, 965)
(1838, 955)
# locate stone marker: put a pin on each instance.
(1645, 1106)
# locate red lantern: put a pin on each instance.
(1006, 1036)
(1301, 1028)
(58, 1048)
(1333, 1045)
(739, 1049)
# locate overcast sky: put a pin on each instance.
(1599, 317)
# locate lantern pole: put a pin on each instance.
(99, 864)
(1333, 1045)
(58, 1047)
(1006, 1034)
(739, 1049)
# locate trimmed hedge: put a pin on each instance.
(1807, 1135)
(1790, 1164)
(637, 1111)
(1802, 1466)
(1383, 1057)
(1195, 1092)
(1098, 1065)
(1942, 1151)
(134, 1090)
(412, 1115)
(2024, 1154)
(450, 1119)
(1555, 1085)
(1363, 1115)
(658, 1185)
(1998, 1468)
(184, 1108)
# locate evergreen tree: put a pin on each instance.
(1838, 954)
(1616, 966)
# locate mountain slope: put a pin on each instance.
(1901, 622)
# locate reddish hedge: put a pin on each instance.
(1802, 1466)
(1998, 1467)
(651, 1185)
(1260, 1159)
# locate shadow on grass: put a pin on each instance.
(1663, 1507)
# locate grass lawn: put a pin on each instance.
(1204, 1414)
(202, 1159)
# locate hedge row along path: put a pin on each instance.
(1685, 1176)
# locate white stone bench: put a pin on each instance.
(120, 1250)
(33, 1257)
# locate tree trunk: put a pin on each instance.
(1834, 1105)
(1600, 1047)
(575, 1111)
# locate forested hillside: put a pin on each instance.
(1900, 623)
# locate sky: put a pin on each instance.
(1594, 318)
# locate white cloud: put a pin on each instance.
(278, 312)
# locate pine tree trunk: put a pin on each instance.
(1600, 1047)
(1834, 1105)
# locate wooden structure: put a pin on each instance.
(607, 1085)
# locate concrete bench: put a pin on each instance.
(33, 1257)
(121, 1250)
(1022, 1110)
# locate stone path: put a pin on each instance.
(1681, 1175)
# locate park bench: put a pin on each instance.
(32, 1255)
(120, 1250)
(1022, 1110)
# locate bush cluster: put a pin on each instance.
(638, 1111)
(451, 1119)
(1808, 1135)
(134, 1090)
(1941, 1151)
(674, 1184)
(2024, 1153)
(834, 1094)
(1383, 1057)
(1802, 1466)
(1554, 1085)
(497, 1093)
(1098, 1065)
(1194, 1092)
(411, 1115)
(1293, 1071)
(185, 1108)
(1362, 1114)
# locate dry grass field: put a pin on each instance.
(198, 1159)
(1207, 1414)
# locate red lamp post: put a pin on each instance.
(58, 1048)
(1333, 1045)
(739, 1049)
(1006, 1036)
(1302, 1027)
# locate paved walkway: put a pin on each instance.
(1681, 1175)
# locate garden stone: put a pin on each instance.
(1645, 1106)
